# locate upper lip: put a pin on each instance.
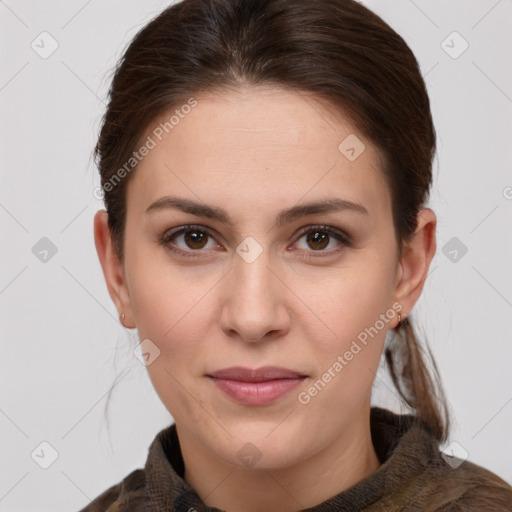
(256, 375)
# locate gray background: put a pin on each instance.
(62, 346)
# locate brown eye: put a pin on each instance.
(188, 240)
(195, 239)
(322, 240)
(317, 240)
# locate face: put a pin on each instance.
(219, 277)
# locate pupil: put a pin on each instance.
(195, 239)
(318, 240)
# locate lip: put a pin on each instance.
(256, 387)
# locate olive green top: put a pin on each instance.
(414, 476)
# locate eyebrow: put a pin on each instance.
(285, 216)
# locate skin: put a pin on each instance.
(254, 152)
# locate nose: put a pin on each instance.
(254, 304)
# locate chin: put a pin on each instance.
(260, 446)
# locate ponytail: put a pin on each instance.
(418, 385)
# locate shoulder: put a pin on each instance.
(156, 486)
(471, 487)
(129, 494)
(447, 484)
(418, 472)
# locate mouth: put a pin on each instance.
(256, 387)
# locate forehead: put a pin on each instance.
(259, 146)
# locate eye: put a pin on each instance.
(191, 240)
(188, 239)
(320, 238)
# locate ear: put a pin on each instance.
(113, 269)
(415, 261)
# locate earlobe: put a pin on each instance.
(112, 267)
(415, 261)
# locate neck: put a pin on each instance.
(347, 460)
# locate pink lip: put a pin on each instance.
(256, 387)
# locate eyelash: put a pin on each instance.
(166, 238)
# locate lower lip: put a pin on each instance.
(257, 393)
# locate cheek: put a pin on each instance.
(169, 311)
(353, 300)
(165, 301)
(358, 310)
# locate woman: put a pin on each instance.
(265, 167)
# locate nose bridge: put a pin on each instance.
(252, 276)
(253, 302)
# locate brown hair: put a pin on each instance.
(337, 49)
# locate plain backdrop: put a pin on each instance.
(62, 347)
